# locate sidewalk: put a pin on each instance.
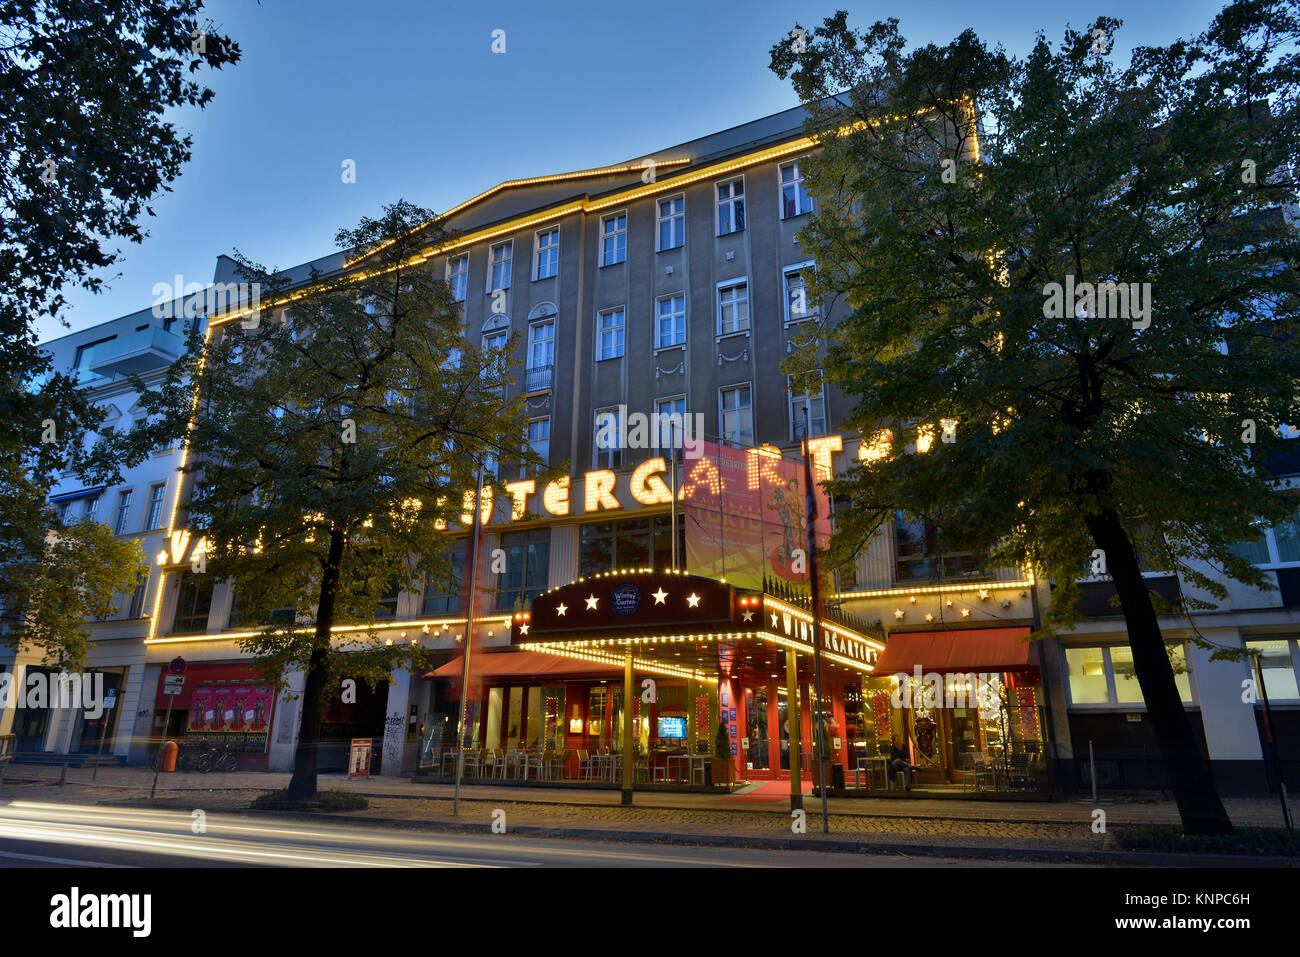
(1030, 829)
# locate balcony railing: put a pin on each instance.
(139, 352)
(538, 379)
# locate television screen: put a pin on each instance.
(672, 727)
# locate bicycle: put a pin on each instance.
(224, 759)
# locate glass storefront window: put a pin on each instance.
(1087, 671)
(1127, 689)
(1277, 667)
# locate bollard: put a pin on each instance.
(63, 774)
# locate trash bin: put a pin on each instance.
(167, 757)
(837, 777)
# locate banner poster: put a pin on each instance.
(237, 712)
(746, 516)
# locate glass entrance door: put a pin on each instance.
(756, 757)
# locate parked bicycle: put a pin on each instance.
(225, 758)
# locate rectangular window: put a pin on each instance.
(156, 495)
(136, 608)
(548, 254)
(671, 222)
(443, 597)
(541, 356)
(733, 307)
(607, 445)
(85, 356)
(815, 406)
(609, 334)
(539, 438)
(731, 206)
(632, 543)
(123, 511)
(499, 273)
(528, 566)
(794, 200)
(1279, 545)
(386, 607)
(193, 603)
(458, 276)
(92, 507)
(670, 414)
(1277, 663)
(917, 556)
(670, 321)
(613, 239)
(494, 340)
(798, 307)
(1105, 675)
(737, 417)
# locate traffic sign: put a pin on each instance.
(172, 684)
(177, 665)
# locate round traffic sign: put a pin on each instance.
(177, 665)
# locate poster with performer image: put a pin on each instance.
(746, 515)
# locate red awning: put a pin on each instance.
(524, 664)
(978, 650)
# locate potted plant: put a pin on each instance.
(722, 766)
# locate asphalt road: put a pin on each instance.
(34, 834)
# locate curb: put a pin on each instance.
(810, 843)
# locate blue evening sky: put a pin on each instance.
(411, 91)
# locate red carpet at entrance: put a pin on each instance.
(767, 791)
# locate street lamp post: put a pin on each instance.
(469, 628)
(815, 591)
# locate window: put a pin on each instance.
(1105, 676)
(458, 276)
(607, 447)
(539, 438)
(1279, 545)
(671, 221)
(917, 556)
(633, 543)
(609, 334)
(815, 406)
(92, 507)
(670, 414)
(547, 258)
(541, 356)
(1278, 659)
(733, 308)
(794, 200)
(731, 206)
(670, 321)
(85, 356)
(496, 334)
(193, 604)
(499, 273)
(443, 598)
(613, 239)
(156, 495)
(737, 417)
(136, 608)
(386, 607)
(798, 307)
(123, 511)
(528, 561)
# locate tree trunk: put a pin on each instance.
(1199, 805)
(302, 786)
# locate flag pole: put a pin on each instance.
(469, 641)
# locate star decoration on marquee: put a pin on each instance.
(591, 602)
(561, 608)
(693, 600)
(775, 619)
(659, 596)
(523, 629)
(984, 594)
(749, 615)
(898, 614)
(929, 617)
(965, 612)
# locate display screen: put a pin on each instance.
(672, 727)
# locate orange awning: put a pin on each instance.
(976, 649)
(524, 664)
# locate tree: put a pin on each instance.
(336, 433)
(83, 90)
(965, 194)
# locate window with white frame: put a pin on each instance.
(157, 493)
(794, 200)
(92, 508)
(496, 334)
(539, 438)
(123, 511)
(731, 206)
(670, 321)
(609, 333)
(733, 307)
(499, 266)
(458, 276)
(671, 223)
(547, 258)
(736, 416)
(613, 239)
(814, 404)
(1279, 664)
(1278, 546)
(1105, 676)
(136, 608)
(670, 417)
(798, 306)
(541, 344)
(607, 443)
